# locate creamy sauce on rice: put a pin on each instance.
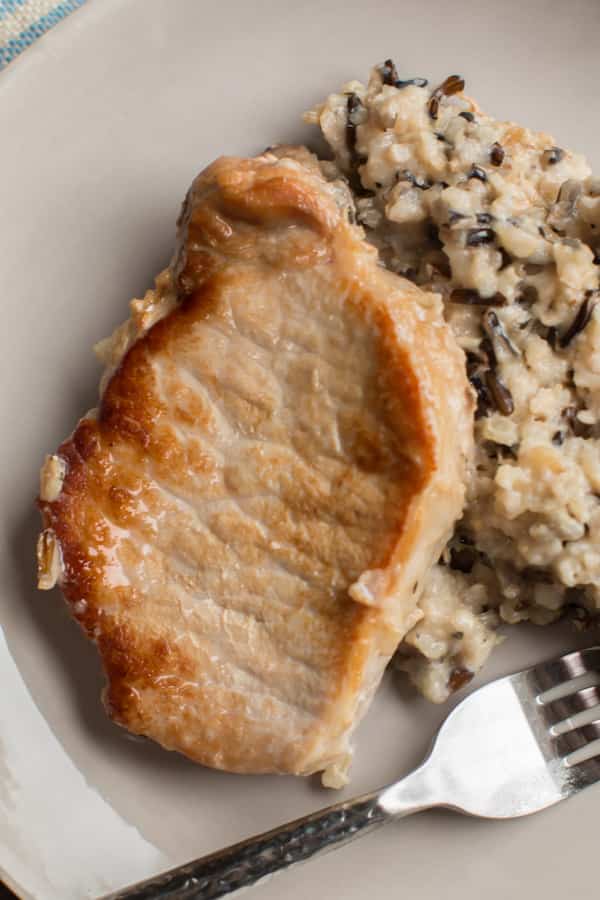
(505, 225)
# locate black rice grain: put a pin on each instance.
(433, 233)
(468, 116)
(496, 154)
(535, 575)
(501, 451)
(578, 428)
(495, 331)
(459, 677)
(478, 236)
(552, 156)
(417, 82)
(484, 400)
(584, 314)
(452, 85)
(478, 173)
(354, 111)
(473, 362)
(356, 114)
(473, 298)
(487, 353)
(462, 559)
(500, 394)
(389, 73)
(417, 182)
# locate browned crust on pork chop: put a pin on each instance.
(278, 456)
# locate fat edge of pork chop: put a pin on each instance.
(278, 456)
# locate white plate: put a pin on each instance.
(103, 123)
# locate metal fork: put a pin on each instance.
(513, 747)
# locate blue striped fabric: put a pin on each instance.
(10, 6)
(23, 21)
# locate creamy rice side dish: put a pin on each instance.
(505, 225)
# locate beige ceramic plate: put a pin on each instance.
(103, 123)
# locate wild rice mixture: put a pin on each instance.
(506, 226)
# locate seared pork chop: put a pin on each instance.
(277, 459)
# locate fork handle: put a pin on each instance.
(243, 864)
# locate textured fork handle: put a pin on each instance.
(243, 864)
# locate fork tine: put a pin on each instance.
(585, 717)
(572, 665)
(584, 774)
(568, 706)
(579, 737)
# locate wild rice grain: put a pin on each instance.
(459, 677)
(495, 330)
(405, 175)
(501, 395)
(552, 336)
(578, 428)
(552, 156)
(463, 559)
(452, 85)
(477, 172)
(389, 73)
(478, 236)
(416, 82)
(353, 104)
(484, 400)
(584, 314)
(488, 353)
(496, 154)
(473, 298)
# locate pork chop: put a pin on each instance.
(277, 459)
